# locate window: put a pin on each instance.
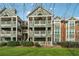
(71, 35)
(71, 23)
(7, 39)
(14, 38)
(30, 18)
(49, 18)
(39, 14)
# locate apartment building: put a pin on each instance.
(69, 30)
(66, 30)
(10, 25)
(40, 26)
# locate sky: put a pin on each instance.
(64, 10)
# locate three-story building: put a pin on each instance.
(10, 25)
(40, 26)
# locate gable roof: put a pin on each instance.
(10, 12)
(72, 18)
(37, 9)
(2, 10)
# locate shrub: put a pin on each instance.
(23, 43)
(69, 44)
(37, 45)
(27, 43)
(3, 44)
(13, 43)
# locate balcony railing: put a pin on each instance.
(39, 33)
(8, 23)
(5, 32)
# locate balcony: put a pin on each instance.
(39, 24)
(8, 24)
(14, 23)
(14, 33)
(48, 33)
(48, 25)
(40, 33)
(25, 31)
(8, 33)
(5, 33)
(30, 24)
(4, 24)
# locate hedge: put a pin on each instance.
(69, 44)
(27, 43)
(13, 43)
(3, 44)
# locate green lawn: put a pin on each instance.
(23, 51)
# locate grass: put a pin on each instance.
(24, 51)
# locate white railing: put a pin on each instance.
(39, 22)
(6, 22)
(5, 32)
(39, 32)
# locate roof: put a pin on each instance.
(37, 8)
(10, 12)
(57, 17)
(72, 18)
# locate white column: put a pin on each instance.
(11, 28)
(51, 32)
(0, 28)
(33, 29)
(16, 28)
(54, 31)
(60, 31)
(46, 32)
(28, 30)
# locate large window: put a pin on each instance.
(71, 30)
(71, 23)
(57, 32)
(71, 35)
